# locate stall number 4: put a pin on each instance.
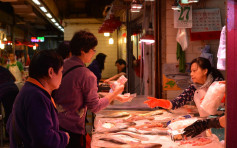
(182, 13)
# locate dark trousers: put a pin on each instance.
(7, 102)
(76, 140)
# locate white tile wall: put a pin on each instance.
(103, 45)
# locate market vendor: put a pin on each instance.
(16, 68)
(203, 75)
(121, 66)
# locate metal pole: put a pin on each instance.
(129, 51)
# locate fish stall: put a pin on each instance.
(133, 124)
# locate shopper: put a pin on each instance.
(203, 75)
(8, 91)
(121, 67)
(34, 122)
(97, 66)
(64, 50)
(78, 91)
(16, 68)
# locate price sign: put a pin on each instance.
(183, 17)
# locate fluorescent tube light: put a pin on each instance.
(43, 9)
(36, 2)
(48, 15)
(53, 20)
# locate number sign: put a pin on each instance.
(183, 17)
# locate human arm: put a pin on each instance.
(154, 102)
(201, 125)
(179, 101)
(114, 95)
(91, 97)
(42, 123)
(114, 77)
(184, 97)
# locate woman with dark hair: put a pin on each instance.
(203, 75)
(97, 66)
(78, 91)
(34, 120)
(64, 50)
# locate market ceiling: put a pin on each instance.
(81, 8)
(29, 16)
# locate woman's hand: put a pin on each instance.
(154, 102)
(119, 89)
(123, 98)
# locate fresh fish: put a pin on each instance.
(153, 113)
(117, 115)
(138, 117)
(147, 145)
(123, 138)
(133, 135)
(112, 140)
(152, 145)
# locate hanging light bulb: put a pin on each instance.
(176, 5)
(106, 34)
(111, 41)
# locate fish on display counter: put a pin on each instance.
(116, 115)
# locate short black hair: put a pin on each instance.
(42, 61)
(100, 58)
(63, 49)
(120, 62)
(82, 41)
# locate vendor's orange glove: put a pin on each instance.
(154, 102)
(223, 99)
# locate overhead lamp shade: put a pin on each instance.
(147, 38)
(110, 25)
(7, 42)
(193, 1)
(105, 30)
(176, 5)
(18, 43)
(136, 4)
